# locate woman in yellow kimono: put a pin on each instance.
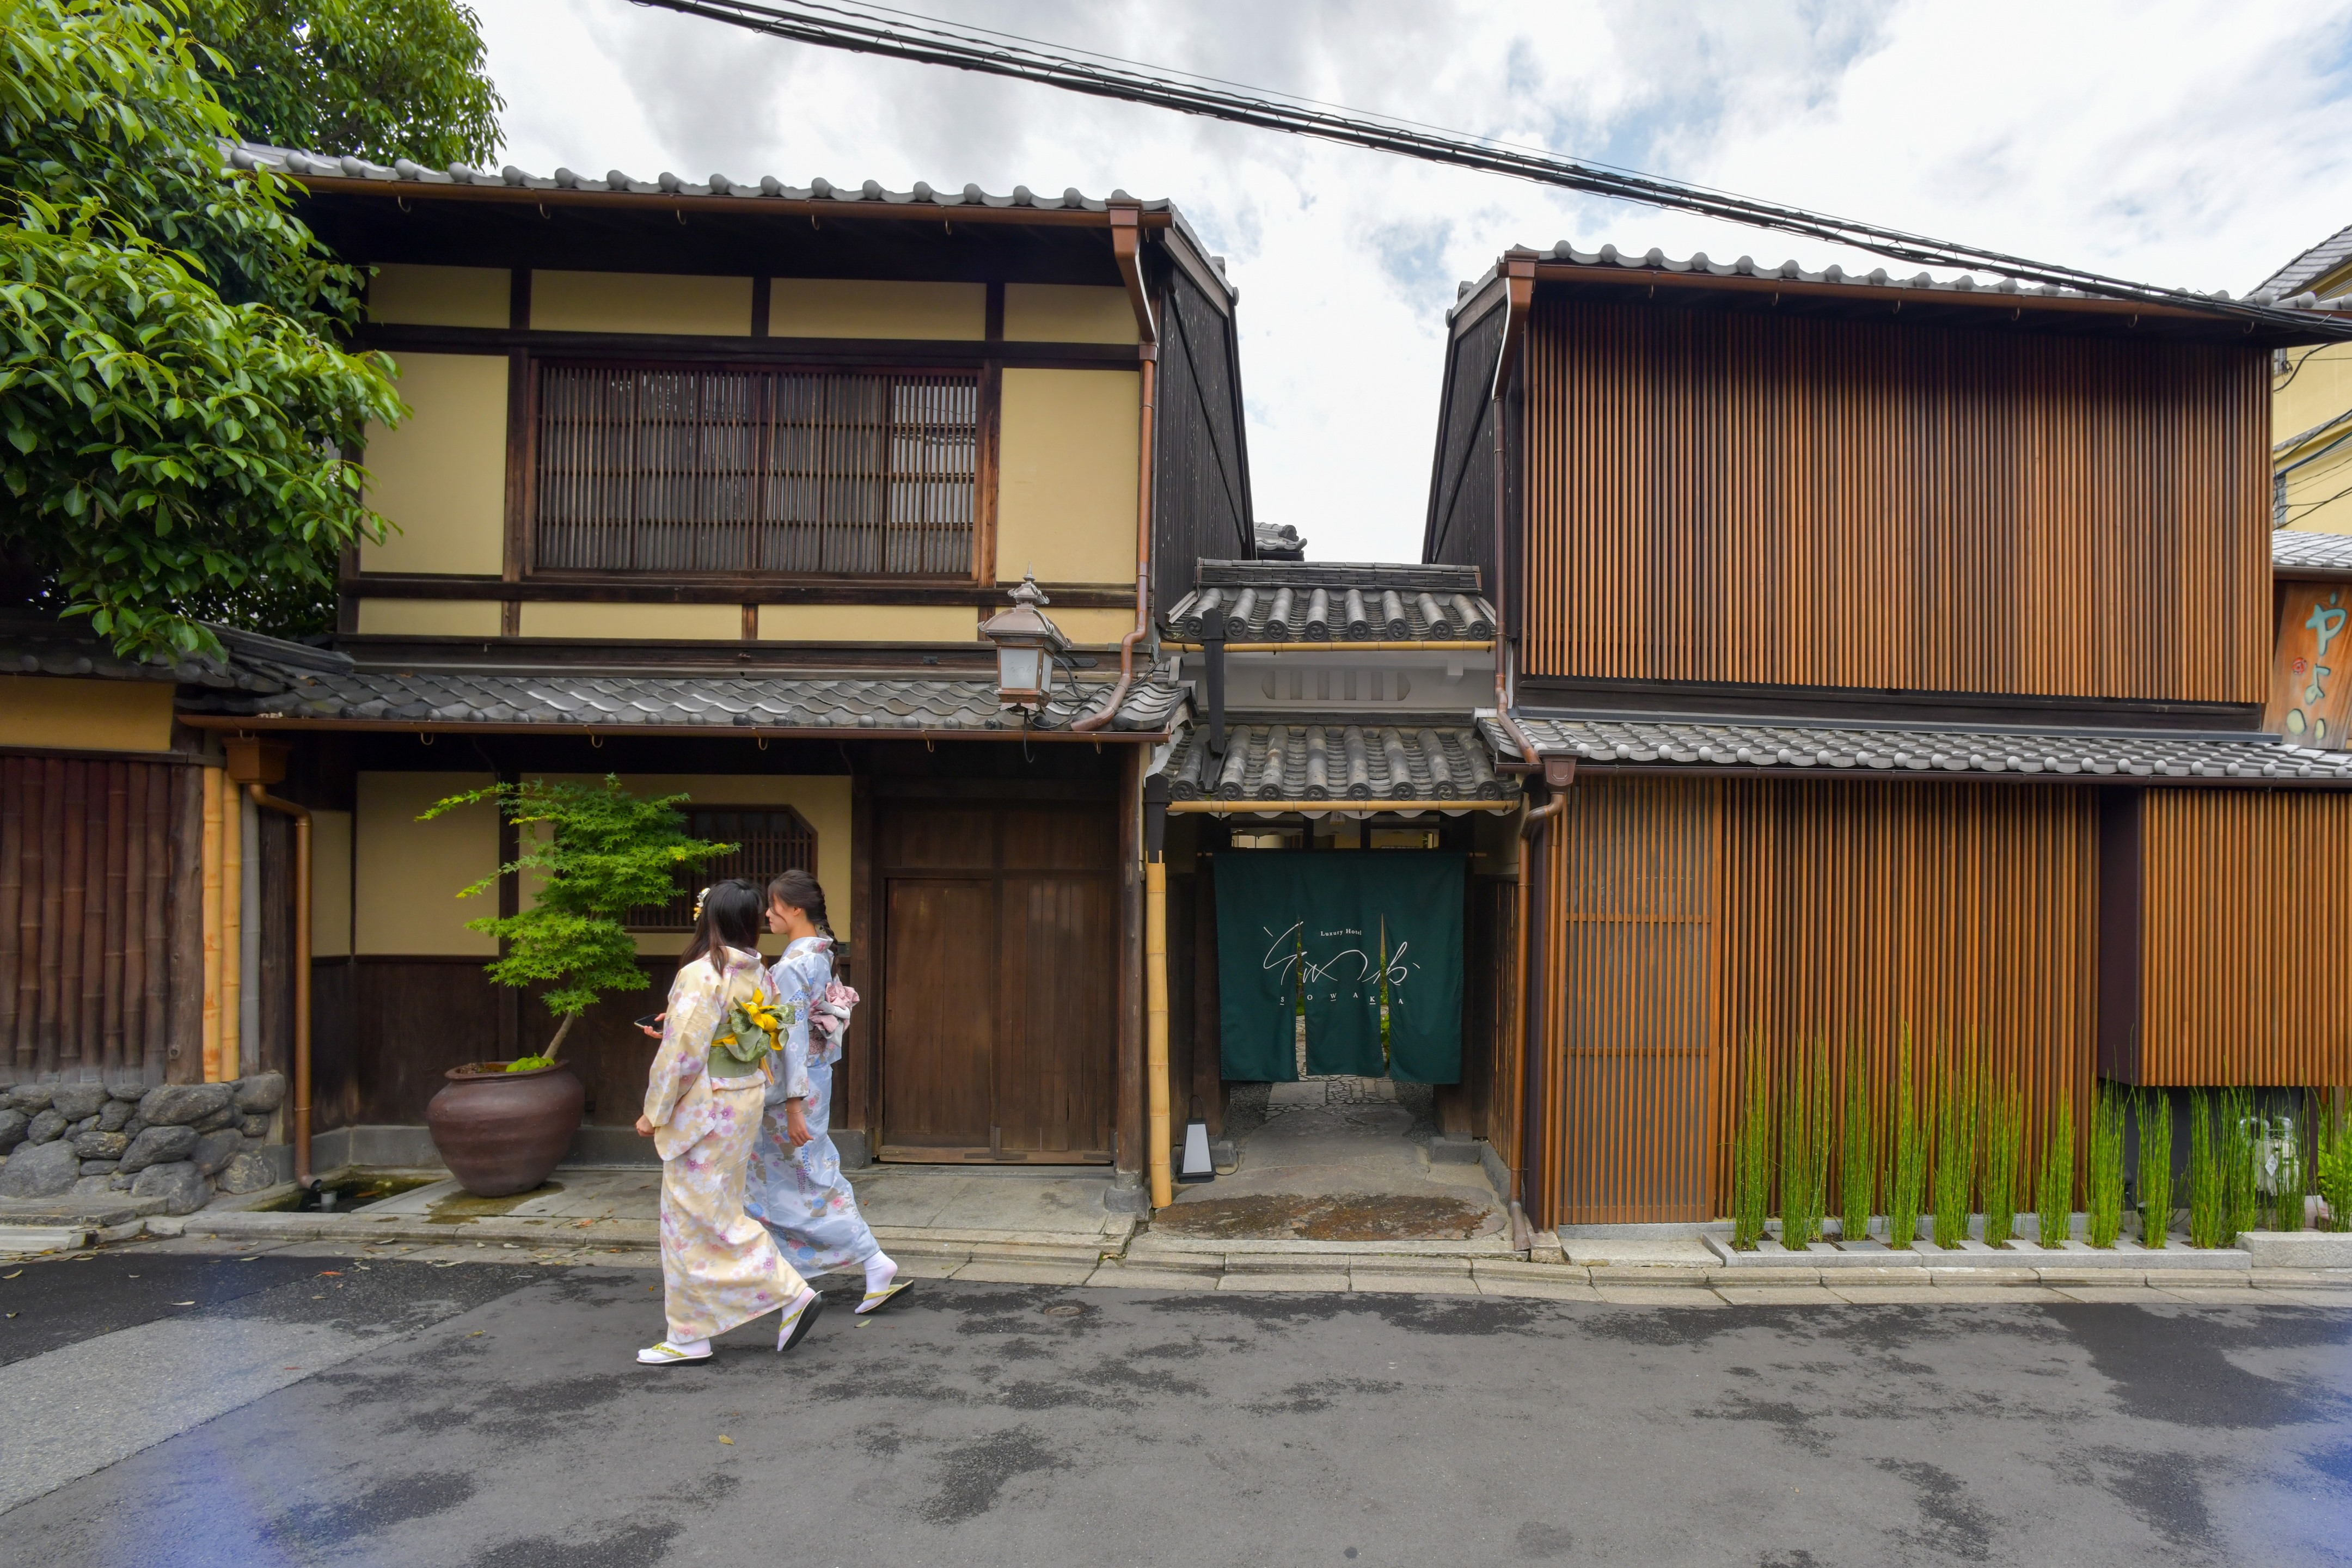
(720, 1266)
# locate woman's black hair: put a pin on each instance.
(798, 891)
(731, 916)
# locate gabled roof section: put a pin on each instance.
(349, 175)
(577, 703)
(1338, 762)
(1792, 288)
(1337, 601)
(1672, 743)
(32, 644)
(2294, 552)
(2313, 266)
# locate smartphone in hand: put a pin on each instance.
(651, 1021)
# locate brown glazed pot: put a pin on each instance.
(501, 1132)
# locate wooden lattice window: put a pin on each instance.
(769, 840)
(728, 470)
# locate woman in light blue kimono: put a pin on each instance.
(796, 1187)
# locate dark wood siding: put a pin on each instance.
(1460, 530)
(1201, 497)
(1751, 498)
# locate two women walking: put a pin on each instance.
(738, 1105)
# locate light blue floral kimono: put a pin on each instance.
(799, 1194)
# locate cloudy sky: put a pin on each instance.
(2181, 144)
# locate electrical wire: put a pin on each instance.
(868, 28)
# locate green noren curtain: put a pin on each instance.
(1354, 932)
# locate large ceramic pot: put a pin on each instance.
(501, 1132)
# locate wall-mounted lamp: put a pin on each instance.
(1026, 642)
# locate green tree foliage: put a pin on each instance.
(595, 853)
(170, 397)
(391, 78)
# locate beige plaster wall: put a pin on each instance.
(441, 478)
(1067, 313)
(429, 617)
(873, 308)
(668, 302)
(1066, 496)
(606, 623)
(441, 296)
(85, 715)
(868, 623)
(1094, 629)
(331, 883)
(409, 872)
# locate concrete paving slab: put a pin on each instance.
(2137, 1294)
(1777, 1295)
(1653, 1276)
(1658, 1295)
(2335, 1301)
(2301, 1279)
(1420, 1284)
(1002, 1273)
(2213, 1295)
(1121, 1277)
(1500, 1268)
(1759, 1275)
(1882, 1295)
(1301, 1281)
(2067, 1278)
(1889, 1278)
(1538, 1290)
(1989, 1295)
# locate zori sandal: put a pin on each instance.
(799, 1319)
(668, 1355)
(877, 1300)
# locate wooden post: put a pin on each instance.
(223, 1066)
(1208, 1042)
(113, 916)
(155, 976)
(131, 925)
(48, 1018)
(11, 887)
(73, 893)
(860, 1106)
(210, 885)
(1129, 1115)
(1155, 1065)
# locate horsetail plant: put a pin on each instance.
(2103, 1187)
(1751, 1156)
(2244, 1191)
(2054, 1194)
(2209, 1178)
(1907, 1183)
(2292, 1177)
(1857, 1148)
(1956, 1147)
(1804, 1147)
(2332, 1170)
(2155, 1168)
(2004, 1154)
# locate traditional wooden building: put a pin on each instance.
(2311, 396)
(709, 485)
(1896, 653)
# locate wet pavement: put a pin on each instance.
(477, 1411)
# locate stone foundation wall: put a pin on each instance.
(180, 1143)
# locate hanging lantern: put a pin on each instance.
(1026, 642)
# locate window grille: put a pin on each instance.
(731, 471)
(768, 841)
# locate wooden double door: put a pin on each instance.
(1001, 943)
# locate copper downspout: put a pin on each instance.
(301, 816)
(1530, 823)
(1519, 292)
(1125, 239)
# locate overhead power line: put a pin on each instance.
(865, 28)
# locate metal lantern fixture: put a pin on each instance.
(1026, 642)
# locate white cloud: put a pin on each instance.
(2169, 140)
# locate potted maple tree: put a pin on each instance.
(595, 852)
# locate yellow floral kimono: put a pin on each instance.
(720, 1266)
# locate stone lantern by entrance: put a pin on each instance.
(1026, 642)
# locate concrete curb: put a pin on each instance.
(1771, 1257)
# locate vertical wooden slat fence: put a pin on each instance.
(86, 897)
(1761, 498)
(2247, 916)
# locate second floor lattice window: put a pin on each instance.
(730, 470)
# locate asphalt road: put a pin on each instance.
(311, 1410)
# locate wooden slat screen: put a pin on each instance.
(768, 842)
(1628, 1024)
(86, 881)
(2247, 919)
(730, 471)
(1965, 912)
(1752, 497)
(1684, 920)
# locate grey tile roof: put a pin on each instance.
(771, 703)
(2297, 548)
(1793, 747)
(1279, 542)
(1336, 761)
(37, 645)
(668, 187)
(2308, 269)
(1656, 259)
(1335, 601)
